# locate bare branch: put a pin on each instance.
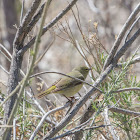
(123, 49)
(22, 10)
(44, 117)
(136, 21)
(76, 131)
(126, 89)
(47, 27)
(124, 111)
(129, 21)
(22, 29)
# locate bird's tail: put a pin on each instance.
(48, 91)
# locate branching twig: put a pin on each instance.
(44, 117)
(47, 27)
(40, 108)
(20, 35)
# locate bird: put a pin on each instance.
(67, 86)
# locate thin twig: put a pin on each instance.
(4, 126)
(14, 129)
(5, 56)
(76, 131)
(12, 93)
(4, 69)
(40, 108)
(5, 50)
(126, 89)
(124, 111)
(22, 10)
(135, 22)
(44, 52)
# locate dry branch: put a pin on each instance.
(128, 23)
(124, 111)
(49, 25)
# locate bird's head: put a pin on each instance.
(83, 70)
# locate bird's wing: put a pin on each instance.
(67, 82)
(62, 84)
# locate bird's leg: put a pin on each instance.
(72, 101)
(67, 98)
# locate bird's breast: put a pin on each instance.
(69, 92)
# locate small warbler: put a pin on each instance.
(67, 86)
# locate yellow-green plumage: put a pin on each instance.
(68, 86)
